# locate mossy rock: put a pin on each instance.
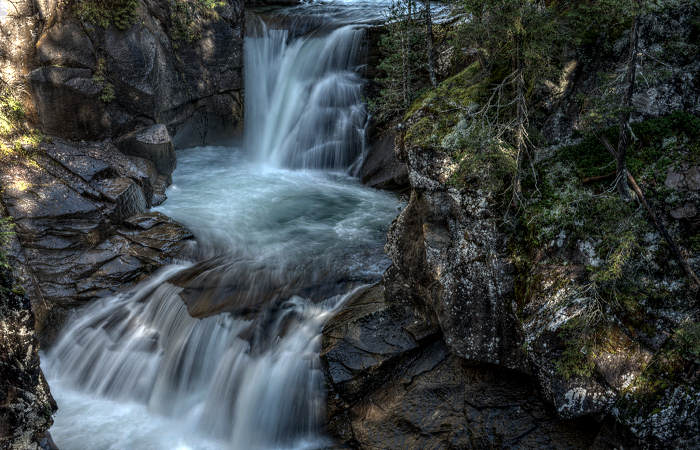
(440, 118)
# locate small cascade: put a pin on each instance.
(215, 375)
(304, 105)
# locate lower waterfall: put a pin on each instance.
(285, 235)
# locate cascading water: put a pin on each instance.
(222, 351)
(304, 98)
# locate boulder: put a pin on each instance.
(153, 144)
(381, 169)
(450, 258)
(68, 103)
(66, 44)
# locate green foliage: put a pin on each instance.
(6, 232)
(15, 136)
(439, 111)
(515, 34)
(596, 23)
(440, 119)
(574, 361)
(687, 341)
(11, 113)
(187, 16)
(590, 158)
(672, 366)
(104, 13)
(580, 341)
(403, 57)
(100, 77)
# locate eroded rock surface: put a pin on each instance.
(88, 82)
(450, 257)
(80, 216)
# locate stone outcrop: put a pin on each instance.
(80, 214)
(450, 258)
(26, 405)
(381, 169)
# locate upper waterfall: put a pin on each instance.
(304, 105)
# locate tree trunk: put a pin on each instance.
(430, 41)
(521, 116)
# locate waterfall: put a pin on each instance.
(304, 106)
(211, 373)
(223, 351)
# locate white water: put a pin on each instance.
(285, 235)
(304, 99)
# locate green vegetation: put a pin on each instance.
(403, 47)
(16, 137)
(107, 95)
(500, 69)
(11, 114)
(187, 17)
(105, 13)
(6, 233)
(579, 347)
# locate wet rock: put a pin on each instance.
(153, 144)
(245, 286)
(126, 195)
(26, 405)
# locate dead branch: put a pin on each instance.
(588, 180)
(662, 229)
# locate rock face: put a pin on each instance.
(80, 216)
(450, 258)
(26, 405)
(381, 169)
(88, 82)
(395, 384)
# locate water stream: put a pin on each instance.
(285, 234)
